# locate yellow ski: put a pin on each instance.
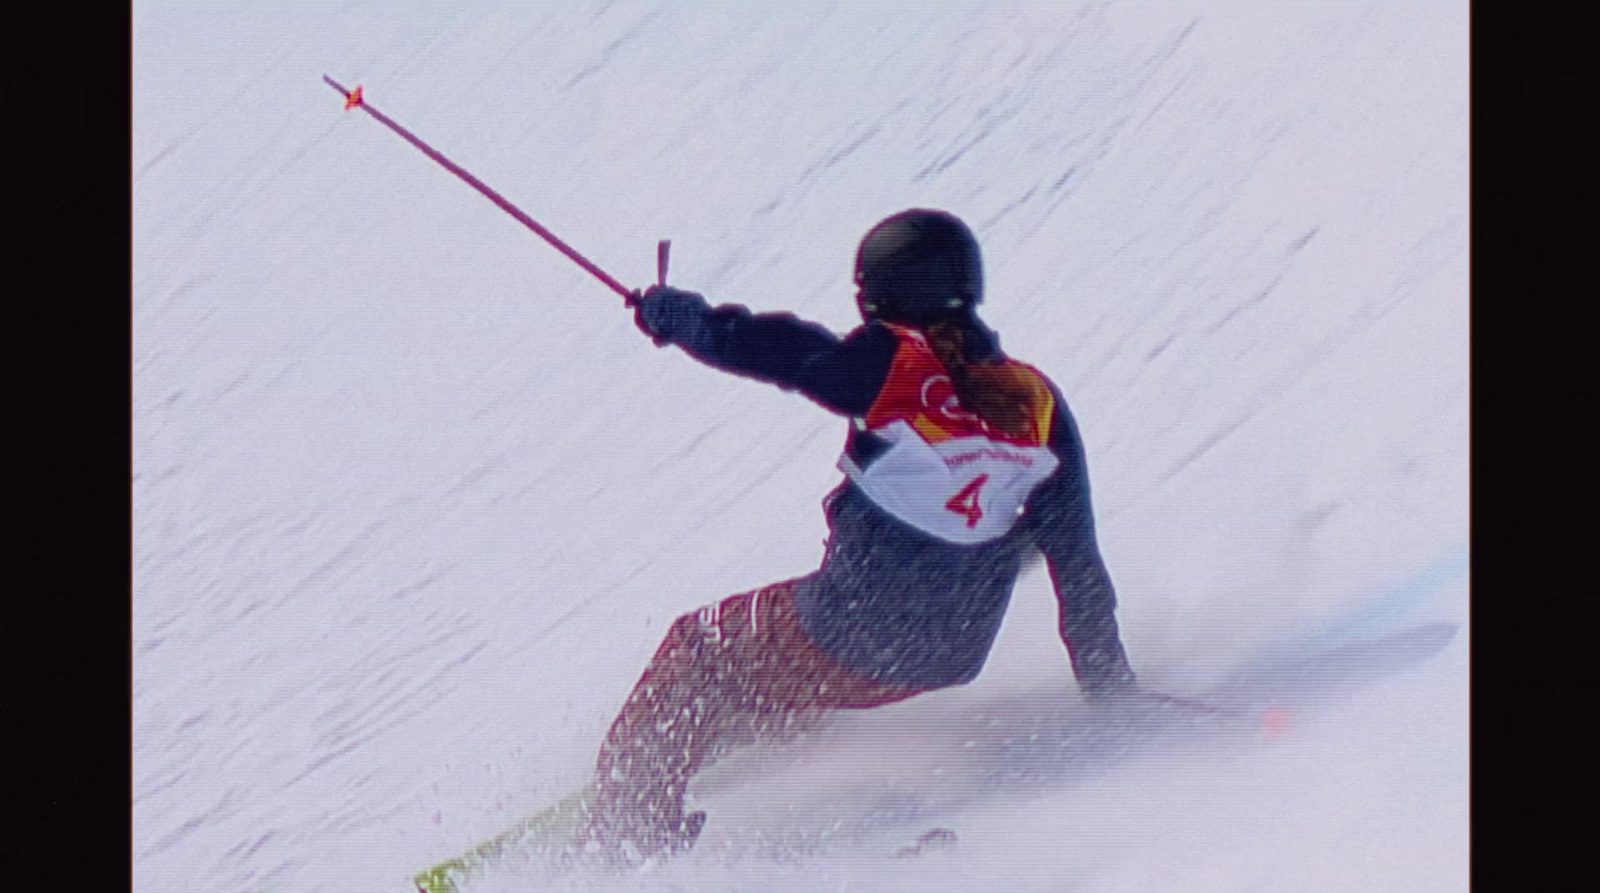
(544, 834)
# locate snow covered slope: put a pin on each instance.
(414, 501)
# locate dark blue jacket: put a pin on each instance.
(892, 602)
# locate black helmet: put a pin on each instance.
(917, 267)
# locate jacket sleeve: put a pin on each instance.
(1063, 528)
(842, 374)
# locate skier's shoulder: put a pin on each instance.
(881, 335)
(1023, 370)
(1043, 396)
(1049, 402)
(870, 346)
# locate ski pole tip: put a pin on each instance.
(352, 98)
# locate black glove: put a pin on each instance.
(667, 314)
(1102, 669)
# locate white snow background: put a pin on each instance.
(414, 501)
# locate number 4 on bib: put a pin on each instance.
(966, 502)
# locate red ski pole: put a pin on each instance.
(353, 100)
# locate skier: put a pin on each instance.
(959, 464)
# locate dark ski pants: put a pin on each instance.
(733, 672)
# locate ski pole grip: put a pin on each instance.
(662, 247)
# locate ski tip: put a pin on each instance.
(438, 879)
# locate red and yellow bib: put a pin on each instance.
(947, 471)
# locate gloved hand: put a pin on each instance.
(1102, 670)
(666, 313)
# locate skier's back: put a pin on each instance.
(960, 462)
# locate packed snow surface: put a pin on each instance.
(414, 500)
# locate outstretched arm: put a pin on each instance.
(844, 375)
(1063, 527)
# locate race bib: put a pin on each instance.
(963, 490)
